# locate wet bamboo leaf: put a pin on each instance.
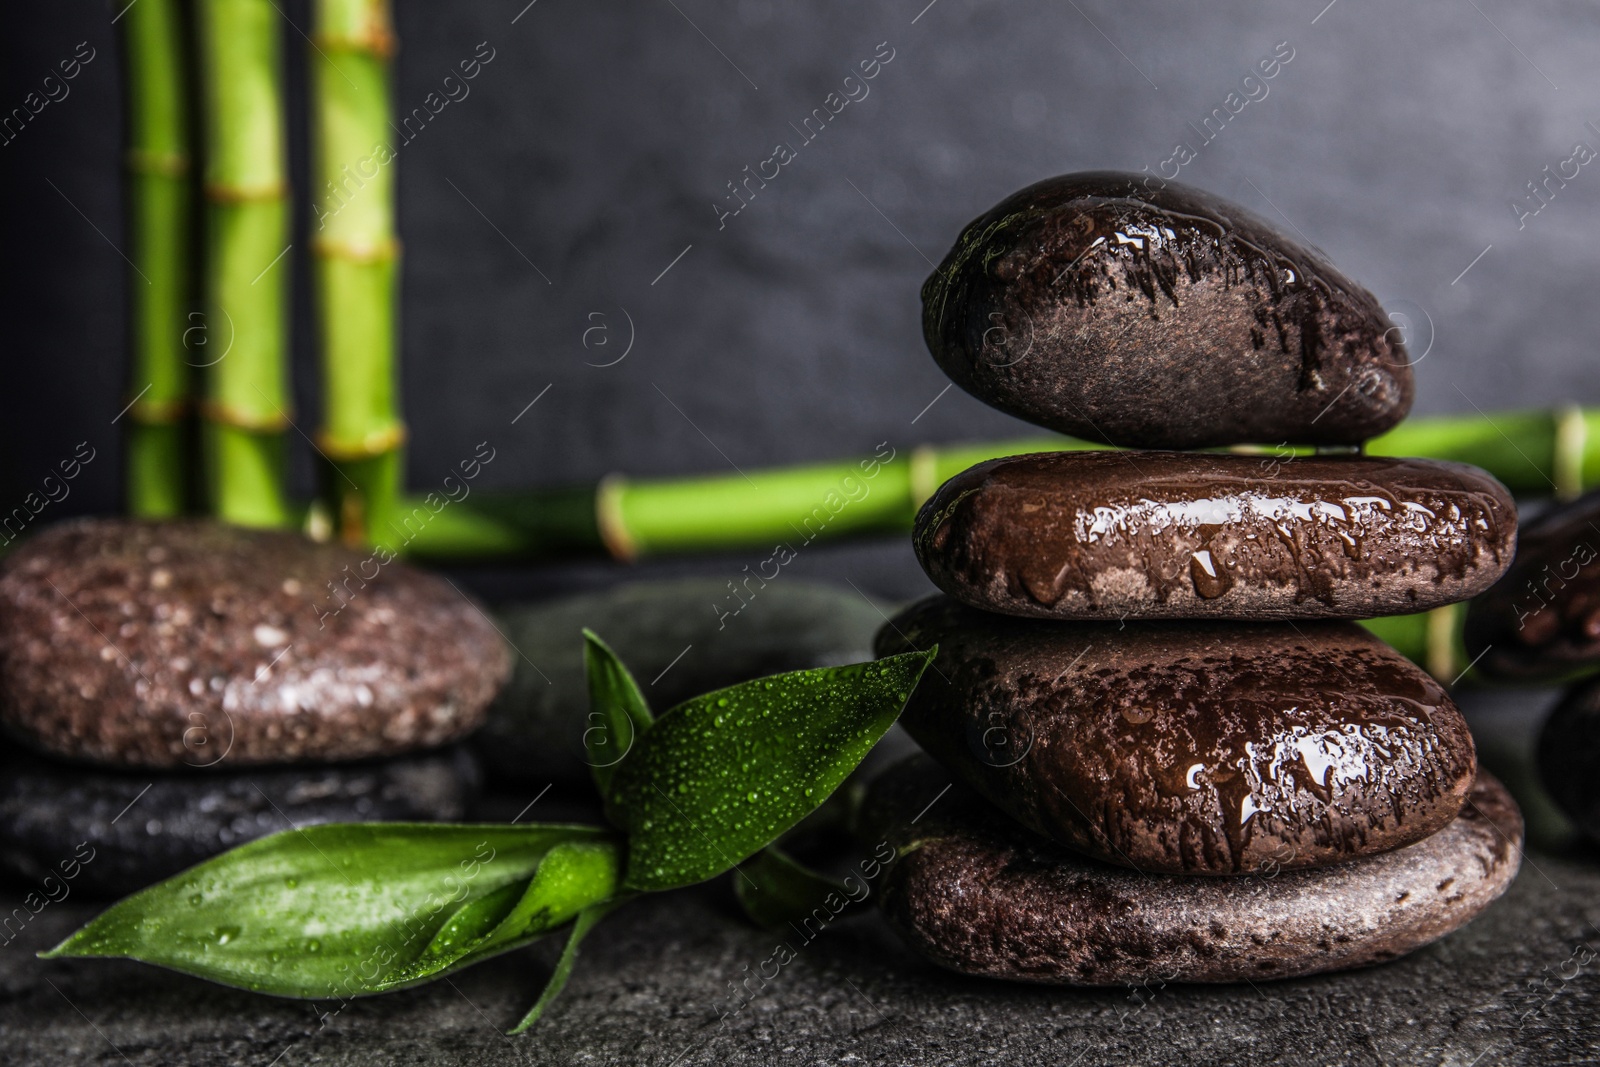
(618, 713)
(586, 920)
(342, 910)
(724, 774)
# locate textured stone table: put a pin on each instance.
(653, 981)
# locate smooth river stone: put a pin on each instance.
(1096, 535)
(679, 638)
(1189, 748)
(166, 644)
(124, 836)
(1160, 318)
(1542, 620)
(972, 891)
(1568, 757)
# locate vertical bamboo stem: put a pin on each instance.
(160, 222)
(356, 260)
(247, 267)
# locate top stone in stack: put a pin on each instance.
(1160, 317)
(1164, 318)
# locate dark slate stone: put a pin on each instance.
(680, 638)
(74, 830)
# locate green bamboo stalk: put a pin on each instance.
(794, 506)
(160, 226)
(247, 407)
(632, 519)
(356, 261)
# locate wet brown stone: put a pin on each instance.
(1122, 309)
(1095, 535)
(188, 643)
(976, 893)
(1542, 620)
(1189, 748)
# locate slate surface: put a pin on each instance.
(1515, 987)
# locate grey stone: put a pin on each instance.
(73, 830)
(679, 638)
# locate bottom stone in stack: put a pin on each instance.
(972, 890)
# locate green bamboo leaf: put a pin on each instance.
(618, 713)
(726, 773)
(572, 876)
(587, 918)
(777, 891)
(341, 910)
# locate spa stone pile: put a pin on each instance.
(1176, 757)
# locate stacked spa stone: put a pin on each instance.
(1195, 766)
(174, 689)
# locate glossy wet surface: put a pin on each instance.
(1114, 535)
(1203, 748)
(1154, 315)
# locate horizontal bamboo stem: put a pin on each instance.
(880, 494)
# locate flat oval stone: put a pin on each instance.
(1542, 620)
(1096, 535)
(974, 892)
(679, 638)
(165, 644)
(1568, 757)
(1147, 314)
(1189, 748)
(106, 833)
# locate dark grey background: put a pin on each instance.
(595, 145)
(596, 142)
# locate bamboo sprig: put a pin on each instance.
(355, 255)
(247, 406)
(880, 494)
(160, 220)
